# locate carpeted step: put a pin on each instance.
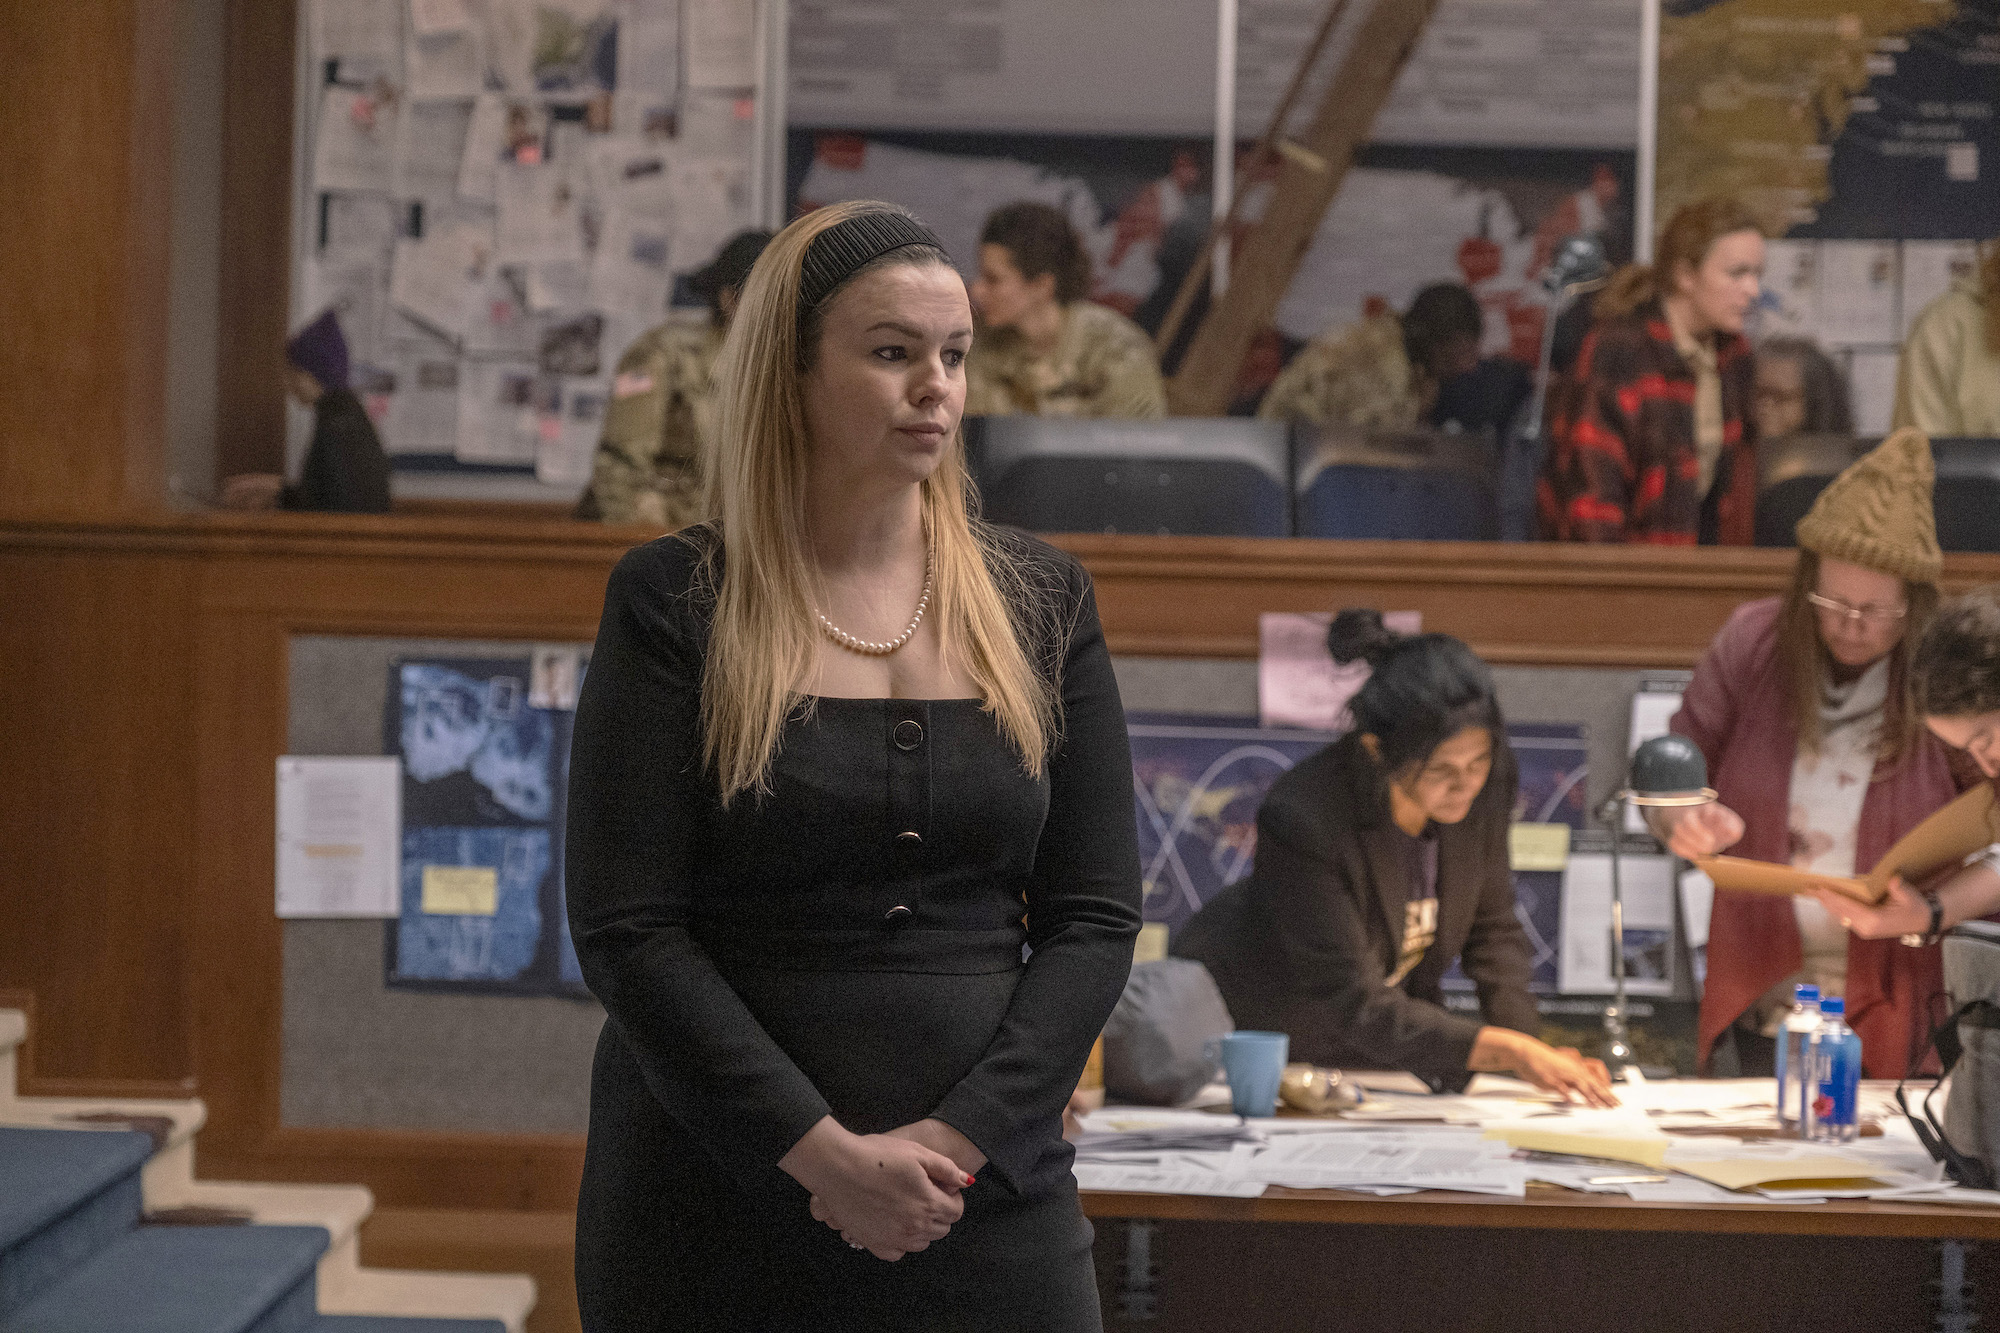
(245, 1279)
(65, 1194)
(367, 1323)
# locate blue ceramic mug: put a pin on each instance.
(1254, 1063)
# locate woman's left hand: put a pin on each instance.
(1902, 912)
(933, 1134)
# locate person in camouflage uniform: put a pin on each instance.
(1382, 373)
(648, 463)
(1042, 349)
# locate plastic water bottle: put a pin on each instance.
(1793, 1035)
(1834, 1057)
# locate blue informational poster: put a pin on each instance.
(1197, 783)
(485, 779)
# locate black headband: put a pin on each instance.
(843, 249)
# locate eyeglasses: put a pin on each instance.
(1876, 617)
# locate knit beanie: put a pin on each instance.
(320, 351)
(1877, 514)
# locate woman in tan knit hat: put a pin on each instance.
(1957, 667)
(1804, 708)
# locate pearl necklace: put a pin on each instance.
(854, 645)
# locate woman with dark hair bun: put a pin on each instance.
(1381, 860)
(1044, 349)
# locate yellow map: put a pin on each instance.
(1754, 92)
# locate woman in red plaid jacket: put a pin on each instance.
(1652, 437)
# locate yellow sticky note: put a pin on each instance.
(1151, 946)
(1538, 846)
(461, 890)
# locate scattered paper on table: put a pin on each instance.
(339, 836)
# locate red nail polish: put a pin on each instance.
(968, 1180)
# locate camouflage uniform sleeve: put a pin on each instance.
(1128, 375)
(634, 436)
(1295, 394)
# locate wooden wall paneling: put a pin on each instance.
(1519, 605)
(84, 131)
(540, 1244)
(95, 865)
(156, 650)
(255, 300)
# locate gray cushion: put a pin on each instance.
(1156, 1044)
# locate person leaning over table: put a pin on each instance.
(1382, 373)
(1805, 708)
(840, 755)
(1380, 861)
(647, 468)
(1651, 437)
(1043, 349)
(1957, 670)
(1948, 376)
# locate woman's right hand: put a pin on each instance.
(1564, 1071)
(887, 1195)
(1699, 831)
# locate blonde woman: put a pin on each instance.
(840, 756)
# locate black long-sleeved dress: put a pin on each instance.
(770, 963)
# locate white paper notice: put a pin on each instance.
(649, 51)
(433, 18)
(485, 136)
(354, 142)
(1298, 683)
(1583, 966)
(435, 280)
(1857, 292)
(1871, 379)
(721, 43)
(340, 832)
(1790, 301)
(497, 413)
(540, 218)
(423, 414)
(450, 65)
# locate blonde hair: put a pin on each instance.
(764, 639)
(1688, 236)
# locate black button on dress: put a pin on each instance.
(852, 944)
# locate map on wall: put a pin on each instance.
(485, 750)
(1864, 119)
(1197, 783)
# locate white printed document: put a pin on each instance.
(340, 831)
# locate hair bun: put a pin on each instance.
(1358, 634)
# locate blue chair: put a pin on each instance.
(1966, 498)
(1188, 476)
(1415, 485)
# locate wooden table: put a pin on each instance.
(1279, 1261)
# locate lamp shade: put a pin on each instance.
(1669, 770)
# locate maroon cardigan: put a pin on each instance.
(1735, 709)
(1622, 466)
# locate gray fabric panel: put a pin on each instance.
(359, 1055)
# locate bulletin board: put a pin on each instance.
(485, 745)
(496, 197)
